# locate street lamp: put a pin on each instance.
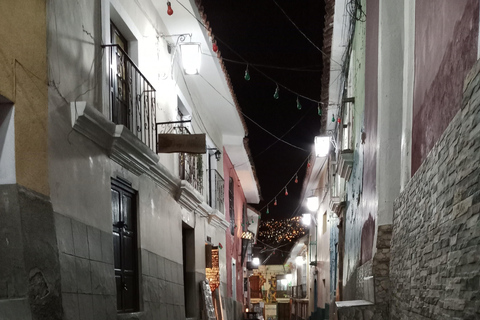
(312, 203)
(322, 146)
(191, 57)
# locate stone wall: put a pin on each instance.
(29, 268)
(435, 265)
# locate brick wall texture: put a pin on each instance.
(435, 252)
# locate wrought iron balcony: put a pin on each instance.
(216, 195)
(132, 97)
(299, 292)
(190, 165)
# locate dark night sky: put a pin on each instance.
(259, 33)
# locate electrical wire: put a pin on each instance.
(303, 34)
(258, 125)
(246, 62)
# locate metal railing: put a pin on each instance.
(216, 196)
(299, 292)
(190, 165)
(132, 97)
(191, 170)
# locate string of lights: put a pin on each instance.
(295, 176)
(302, 69)
(258, 125)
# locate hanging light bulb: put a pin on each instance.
(247, 74)
(286, 191)
(299, 106)
(169, 8)
(268, 211)
(338, 120)
(276, 94)
(275, 203)
(214, 47)
(296, 178)
(319, 110)
(333, 118)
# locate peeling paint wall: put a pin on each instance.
(356, 216)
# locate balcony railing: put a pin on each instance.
(132, 97)
(216, 195)
(299, 292)
(191, 169)
(190, 165)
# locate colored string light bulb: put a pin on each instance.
(308, 164)
(268, 211)
(247, 74)
(276, 95)
(319, 110)
(275, 203)
(169, 8)
(338, 120)
(296, 179)
(286, 191)
(214, 47)
(333, 118)
(299, 106)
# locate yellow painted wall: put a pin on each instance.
(23, 80)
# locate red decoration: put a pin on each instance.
(215, 47)
(169, 10)
(338, 120)
(308, 164)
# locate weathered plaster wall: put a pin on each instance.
(445, 49)
(233, 242)
(368, 197)
(435, 264)
(23, 66)
(357, 248)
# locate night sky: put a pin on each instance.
(260, 34)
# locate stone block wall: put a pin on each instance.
(435, 253)
(86, 270)
(162, 287)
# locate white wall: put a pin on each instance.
(7, 144)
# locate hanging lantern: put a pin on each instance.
(276, 95)
(247, 74)
(169, 8)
